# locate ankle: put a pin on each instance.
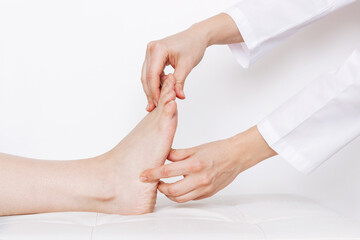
(102, 182)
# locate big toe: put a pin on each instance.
(168, 90)
(170, 109)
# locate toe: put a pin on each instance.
(167, 97)
(168, 90)
(170, 109)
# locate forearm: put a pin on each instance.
(249, 148)
(35, 186)
(219, 29)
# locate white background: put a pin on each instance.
(70, 86)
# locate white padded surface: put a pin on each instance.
(220, 217)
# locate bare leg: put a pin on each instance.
(108, 183)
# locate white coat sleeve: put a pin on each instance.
(318, 121)
(264, 24)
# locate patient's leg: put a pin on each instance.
(108, 183)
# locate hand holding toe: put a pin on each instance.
(210, 167)
(206, 170)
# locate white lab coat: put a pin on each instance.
(324, 116)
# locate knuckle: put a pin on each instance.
(205, 180)
(149, 46)
(207, 191)
(197, 165)
(165, 171)
(172, 191)
(153, 46)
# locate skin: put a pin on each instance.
(208, 168)
(108, 183)
(183, 51)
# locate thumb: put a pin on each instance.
(180, 75)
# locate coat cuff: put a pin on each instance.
(285, 149)
(243, 52)
(318, 121)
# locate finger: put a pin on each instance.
(163, 77)
(157, 62)
(166, 171)
(150, 106)
(204, 196)
(180, 154)
(178, 188)
(212, 191)
(180, 74)
(189, 196)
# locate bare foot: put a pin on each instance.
(146, 146)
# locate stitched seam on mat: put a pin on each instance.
(46, 222)
(92, 230)
(169, 218)
(262, 230)
(241, 213)
(336, 238)
(265, 237)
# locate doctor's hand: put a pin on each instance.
(210, 167)
(183, 51)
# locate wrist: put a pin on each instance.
(203, 32)
(220, 29)
(251, 148)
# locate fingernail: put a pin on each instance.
(143, 179)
